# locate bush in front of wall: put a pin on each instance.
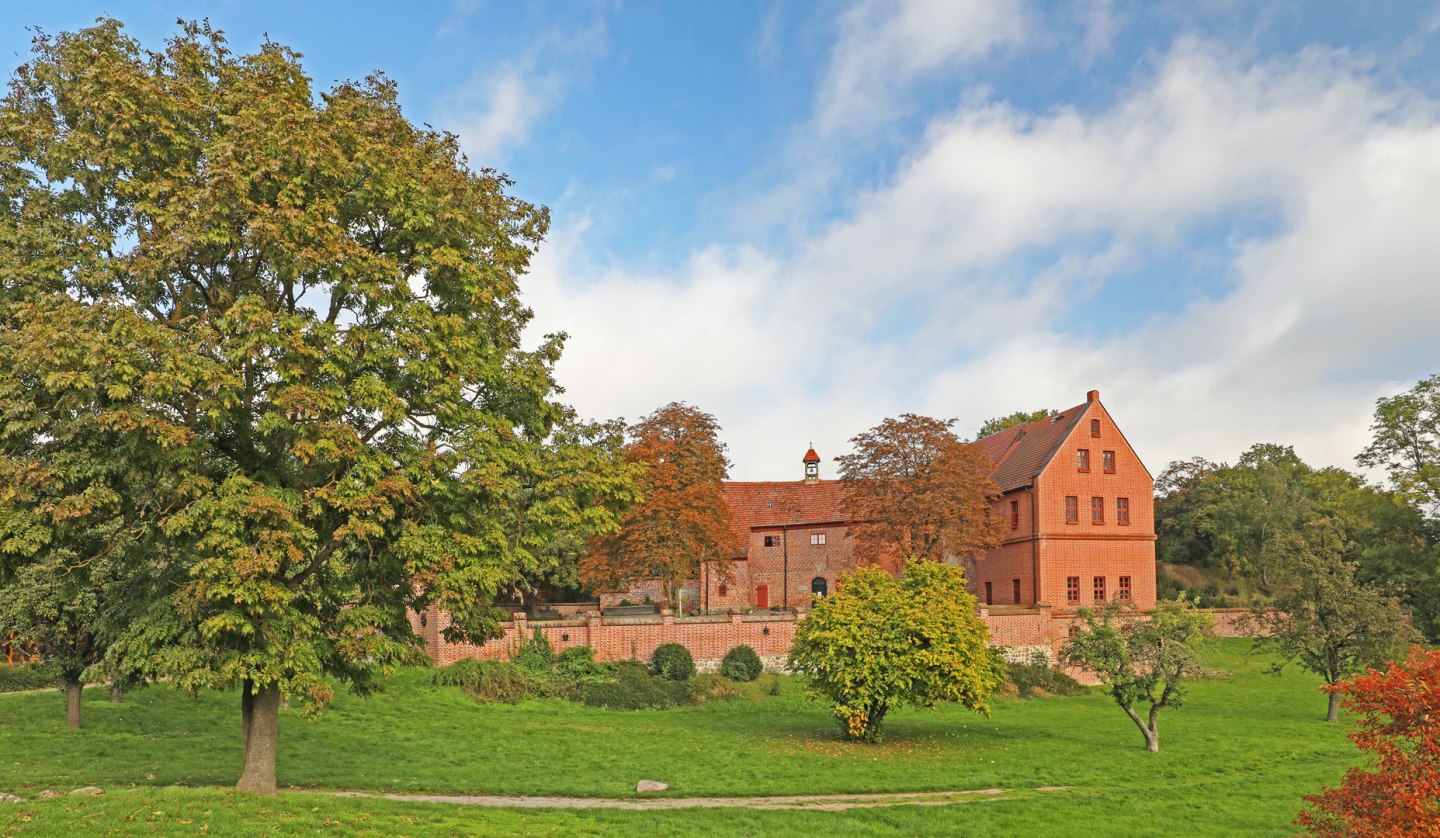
(28, 676)
(741, 664)
(634, 689)
(673, 662)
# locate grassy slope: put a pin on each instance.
(1235, 760)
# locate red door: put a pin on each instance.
(762, 596)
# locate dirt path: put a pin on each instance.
(810, 802)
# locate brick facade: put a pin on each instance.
(1082, 526)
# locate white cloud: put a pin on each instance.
(496, 108)
(925, 296)
(885, 44)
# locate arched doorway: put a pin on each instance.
(819, 587)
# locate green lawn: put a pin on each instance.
(1236, 760)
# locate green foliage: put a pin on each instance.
(741, 664)
(633, 688)
(487, 680)
(672, 661)
(1329, 622)
(879, 642)
(1142, 660)
(579, 662)
(29, 676)
(1039, 680)
(1407, 443)
(536, 655)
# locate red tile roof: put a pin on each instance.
(1021, 451)
(811, 457)
(782, 504)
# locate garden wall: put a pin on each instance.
(1023, 634)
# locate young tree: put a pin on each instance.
(915, 489)
(55, 606)
(1328, 622)
(683, 520)
(878, 642)
(1407, 442)
(1143, 661)
(301, 314)
(1399, 724)
(1019, 417)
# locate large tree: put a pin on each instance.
(683, 521)
(1407, 442)
(300, 313)
(1143, 660)
(878, 642)
(914, 489)
(1327, 621)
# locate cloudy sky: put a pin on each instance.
(806, 217)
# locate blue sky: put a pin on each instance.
(806, 217)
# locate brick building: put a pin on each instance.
(1079, 502)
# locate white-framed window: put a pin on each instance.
(817, 538)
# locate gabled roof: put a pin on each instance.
(782, 504)
(1020, 452)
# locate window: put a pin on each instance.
(818, 586)
(1094, 427)
(1015, 590)
(1099, 588)
(1072, 509)
(1097, 510)
(1014, 514)
(1122, 511)
(1124, 592)
(817, 539)
(989, 594)
(1072, 588)
(1107, 460)
(1082, 459)
(772, 541)
(724, 591)
(1074, 630)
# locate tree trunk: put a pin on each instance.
(247, 712)
(1334, 714)
(72, 703)
(262, 732)
(116, 694)
(1150, 731)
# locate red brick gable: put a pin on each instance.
(778, 504)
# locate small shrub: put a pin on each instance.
(774, 688)
(486, 680)
(1033, 681)
(28, 676)
(579, 662)
(714, 688)
(634, 689)
(673, 662)
(536, 655)
(741, 664)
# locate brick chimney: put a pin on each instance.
(1092, 396)
(812, 467)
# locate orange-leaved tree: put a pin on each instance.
(683, 520)
(1400, 724)
(915, 489)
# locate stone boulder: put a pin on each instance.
(88, 791)
(650, 785)
(10, 798)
